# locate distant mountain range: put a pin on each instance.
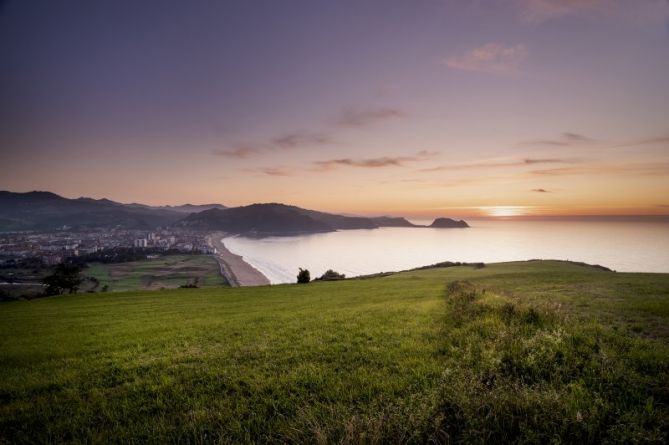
(47, 211)
(280, 219)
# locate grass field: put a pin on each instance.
(165, 272)
(533, 352)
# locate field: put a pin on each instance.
(165, 272)
(532, 352)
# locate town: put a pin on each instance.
(53, 247)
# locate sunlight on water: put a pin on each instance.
(622, 246)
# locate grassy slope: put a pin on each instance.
(166, 272)
(512, 352)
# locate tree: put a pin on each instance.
(65, 277)
(303, 276)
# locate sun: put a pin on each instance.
(504, 211)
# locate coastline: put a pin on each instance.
(233, 267)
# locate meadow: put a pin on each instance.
(159, 273)
(526, 352)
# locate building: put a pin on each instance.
(141, 242)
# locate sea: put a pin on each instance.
(625, 246)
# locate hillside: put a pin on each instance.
(530, 352)
(390, 221)
(448, 223)
(45, 210)
(257, 220)
(273, 219)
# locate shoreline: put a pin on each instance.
(233, 267)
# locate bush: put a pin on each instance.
(331, 275)
(303, 276)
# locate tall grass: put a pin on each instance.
(523, 374)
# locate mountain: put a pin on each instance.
(339, 222)
(257, 220)
(46, 211)
(184, 208)
(390, 221)
(448, 223)
(193, 208)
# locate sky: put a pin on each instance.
(419, 108)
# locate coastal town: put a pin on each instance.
(53, 247)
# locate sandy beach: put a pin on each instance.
(233, 267)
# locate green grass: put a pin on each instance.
(161, 273)
(533, 352)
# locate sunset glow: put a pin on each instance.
(372, 107)
(505, 211)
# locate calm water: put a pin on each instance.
(622, 246)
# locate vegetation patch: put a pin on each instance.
(516, 373)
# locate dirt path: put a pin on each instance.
(237, 271)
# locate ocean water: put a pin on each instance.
(622, 246)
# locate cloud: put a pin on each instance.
(241, 152)
(654, 140)
(285, 141)
(574, 137)
(491, 58)
(629, 11)
(293, 140)
(274, 171)
(363, 118)
(498, 164)
(542, 10)
(641, 169)
(566, 139)
(540, 190)
(386, 161)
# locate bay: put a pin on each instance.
(620, 245)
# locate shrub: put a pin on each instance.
(303, 276)
(331, 275)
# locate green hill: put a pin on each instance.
(531, 352)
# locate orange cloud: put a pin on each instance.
(362, 118)
(630, 11)
(491, 58)
(496, 164)
(284, 142)
(386, 161)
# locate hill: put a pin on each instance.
(274, 220)
(45, 211)
(184, 208)
(447, 223)
(390, 221)
(530, 352)
(257, 220)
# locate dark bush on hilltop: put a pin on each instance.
(303, 276)
(65, 277)
(191, 285)
(331, 275)
(450, 264)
